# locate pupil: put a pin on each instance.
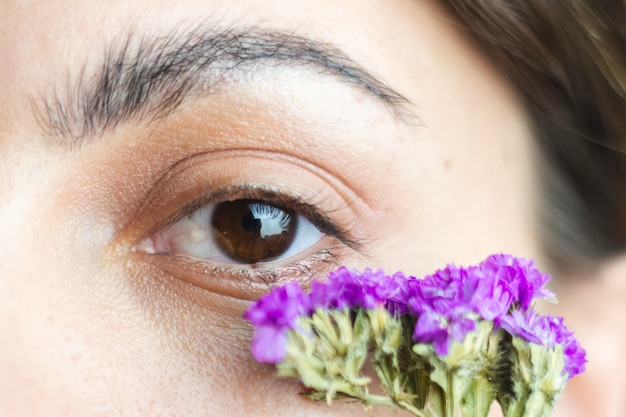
(250, 223)
(250, 231)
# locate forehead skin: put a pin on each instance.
(87, 330)
(48, 54)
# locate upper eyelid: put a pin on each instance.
(189, 163)
(191, 182)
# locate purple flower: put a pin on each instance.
(449, 302)
(525, 281)
(547, 331)
(447, 305)
(523, 325)
(272, 316)
(395, 290)
(489, 295)
(347, 288)
(440, 329)
(269, 344)
(575, 355)
(443, 305)
(485, 294)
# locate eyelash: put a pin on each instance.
(301, 271)
(231, 193)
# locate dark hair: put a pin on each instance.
(567, 60)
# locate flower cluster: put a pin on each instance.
(465, 309)
(449, 302)
(276, 313)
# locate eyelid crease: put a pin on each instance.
(271, 196)
(189, 162)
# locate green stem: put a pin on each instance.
(408, 407)
(450, 395)
(478, 397)
(386, 401)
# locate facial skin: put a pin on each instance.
(414, 153)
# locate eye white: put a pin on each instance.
(194, 236)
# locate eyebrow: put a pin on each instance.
(147, 78)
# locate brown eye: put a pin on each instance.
(250, 231)
(245, 231)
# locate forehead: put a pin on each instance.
(53, 48)
(58, 36)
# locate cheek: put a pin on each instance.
(466, 187)
(72, 335)
(83, 334)
(441, 203)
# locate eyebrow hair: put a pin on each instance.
(148, 78)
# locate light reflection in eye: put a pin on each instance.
(242, 231)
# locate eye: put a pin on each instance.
(238, 222)
(244, 231)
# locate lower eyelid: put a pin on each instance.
(251, 282)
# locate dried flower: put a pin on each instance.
(457, 339)
(546, 331)
(522, 277)
(444, 307)
(272, 316)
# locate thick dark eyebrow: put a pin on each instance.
(147, 78)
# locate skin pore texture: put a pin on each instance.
(377, 121)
